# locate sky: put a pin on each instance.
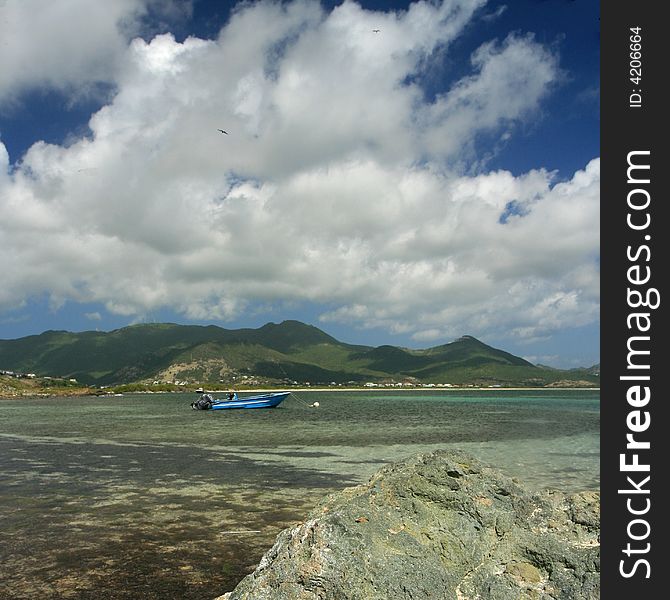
(391, 172)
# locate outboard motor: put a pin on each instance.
(203, 403)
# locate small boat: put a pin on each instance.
(206, 402)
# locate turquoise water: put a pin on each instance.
(139, 497)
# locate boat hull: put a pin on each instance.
(259, 401)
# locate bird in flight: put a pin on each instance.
(222, 131)
(375, 31)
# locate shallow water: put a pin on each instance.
(139, 497)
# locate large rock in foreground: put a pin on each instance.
(436, 526)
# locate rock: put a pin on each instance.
(436, 526)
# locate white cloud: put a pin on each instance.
(70, 45)
(337, 184)
(509, 81)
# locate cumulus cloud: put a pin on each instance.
(339, 182)
(70, 46)
(509, 81)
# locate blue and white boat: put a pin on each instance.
(207, 402)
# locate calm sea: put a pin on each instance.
(141, 498)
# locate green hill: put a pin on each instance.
(289, 352)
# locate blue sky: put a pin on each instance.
(436, 178)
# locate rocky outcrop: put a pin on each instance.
(436, 526)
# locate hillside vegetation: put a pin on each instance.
(289, 353)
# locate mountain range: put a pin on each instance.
(290, 352)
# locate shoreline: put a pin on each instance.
(415, 389)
